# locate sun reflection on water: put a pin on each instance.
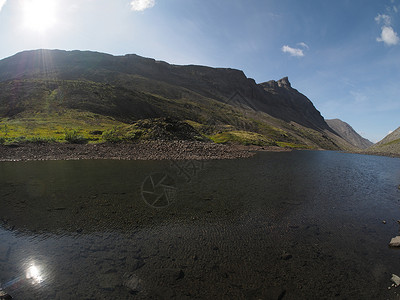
(34, 274)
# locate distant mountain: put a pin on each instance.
(349, 134)
(389, 145)
(100, 90)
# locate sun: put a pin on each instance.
(39, 15)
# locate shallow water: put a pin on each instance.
(291, 225)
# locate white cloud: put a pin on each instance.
(293, 51)
(383, 18)
(304, 45)
(388, 36)
(2, 2)
(141, 5)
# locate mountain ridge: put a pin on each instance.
(348, 133)
(216, 83)
(129, 88)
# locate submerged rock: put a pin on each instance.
(395, 279)
(395, 242)
(4, 295)
(132, 283)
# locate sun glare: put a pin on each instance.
(39, 15)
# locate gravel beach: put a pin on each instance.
(148, 150)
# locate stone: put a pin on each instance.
(395, 279)
(4, 295)
(132, 283)
(395, 242)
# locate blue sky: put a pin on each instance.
(344, 55)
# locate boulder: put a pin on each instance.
(395, 242)
(395, 279)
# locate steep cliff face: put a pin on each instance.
(286, 103)
(349, 134)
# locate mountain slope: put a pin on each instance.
(389, 145)
(348, 133)
(35, 85)
(222, 84)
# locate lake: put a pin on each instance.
(287, 225)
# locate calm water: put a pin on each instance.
(299, 225)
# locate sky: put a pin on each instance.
(344, 55)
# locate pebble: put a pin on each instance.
(133, 283)
(396, 279)
(395, 242)
(160, 150)
(4, 295)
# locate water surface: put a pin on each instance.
(296, 225)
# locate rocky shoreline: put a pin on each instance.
(394, 155)
(147, 150)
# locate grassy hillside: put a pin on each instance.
(389, 145)
(51, 110)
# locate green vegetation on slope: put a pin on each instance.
(242, 137)
(392, 143)
(388, 145)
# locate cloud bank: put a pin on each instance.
(298, 52)
(141, 5)
(388, 35)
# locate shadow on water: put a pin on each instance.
(296, 225)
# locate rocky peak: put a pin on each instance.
(281, 83)
(284, 82)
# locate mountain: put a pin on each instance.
(389, 145)
(42, 92)
(348, 133)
